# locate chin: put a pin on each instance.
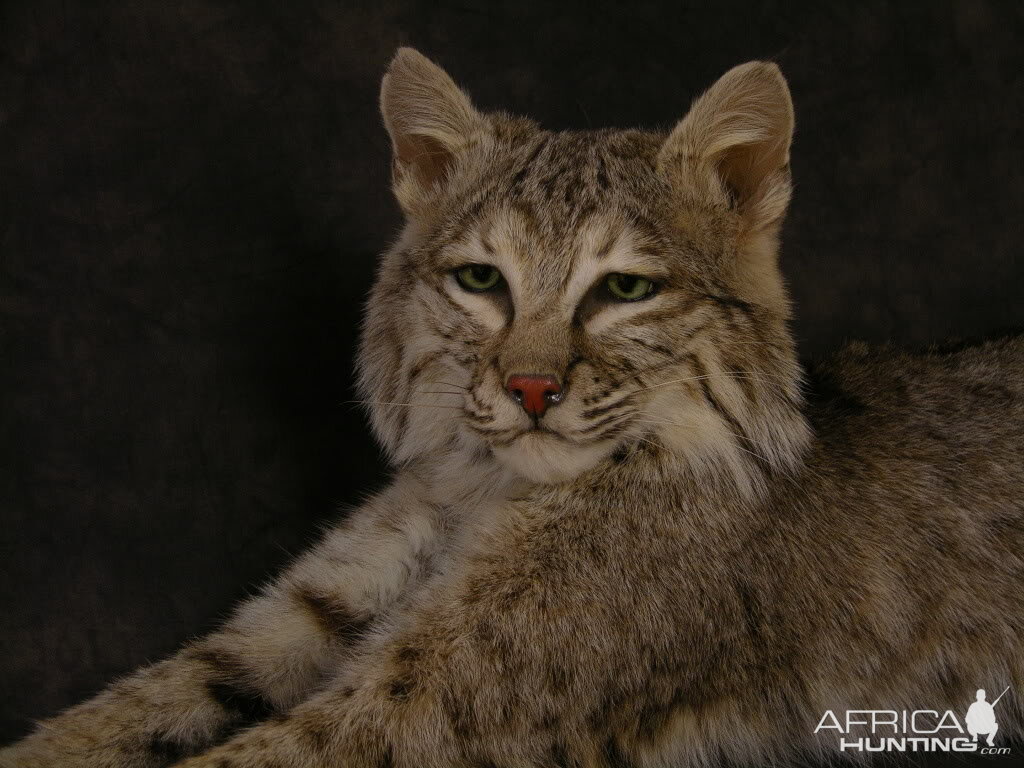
(544, 458)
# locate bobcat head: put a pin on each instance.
(559, 298)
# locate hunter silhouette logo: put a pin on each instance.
(920, 730)
(981, 717)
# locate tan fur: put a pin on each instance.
(704, 549)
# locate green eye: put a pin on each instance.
(478, 278)
(629, 287)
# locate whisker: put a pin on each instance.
(673, 453)
(669, 423)
(603, 426)
(406, 405)
(449, 384)
(659, 446)
(676, 455)
(755, 455)
(435, 392)
(752, 442)
(726, 374)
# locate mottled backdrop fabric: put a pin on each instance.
(193, 194)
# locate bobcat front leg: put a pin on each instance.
(560, 642)
(272, 653)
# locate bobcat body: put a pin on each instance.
(625, 527)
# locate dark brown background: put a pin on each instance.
(192, 195)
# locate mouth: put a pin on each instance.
(539, 431)
(538, 428)
(545, 456)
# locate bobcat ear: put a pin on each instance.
(737, 137)
(429, 120)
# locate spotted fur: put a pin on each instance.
(689, 559)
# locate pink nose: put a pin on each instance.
(534, 392)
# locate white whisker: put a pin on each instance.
(449, 384)
(726, 374)
(405, 405)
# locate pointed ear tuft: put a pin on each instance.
(737, 136)
(429, 120)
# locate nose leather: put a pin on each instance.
(535, 392)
